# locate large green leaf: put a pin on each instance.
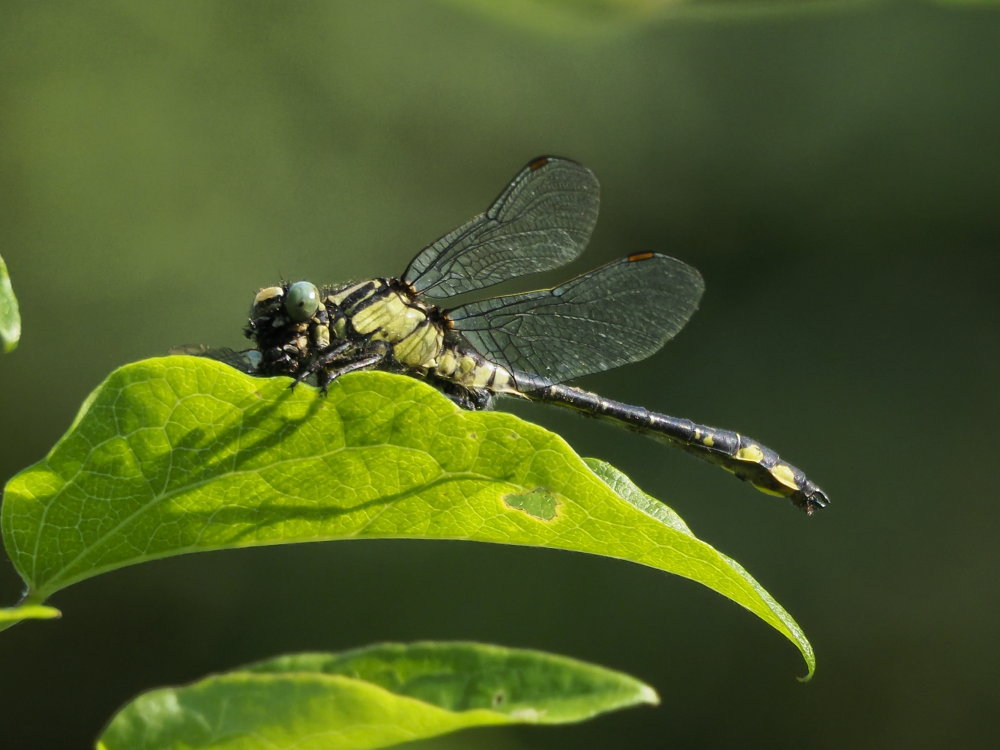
(372, 697)
(183, 454)
(10, 318)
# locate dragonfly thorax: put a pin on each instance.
(380, 322)
(291, 331)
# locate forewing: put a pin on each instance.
(542, 220)
(246, 361)
(620, 313)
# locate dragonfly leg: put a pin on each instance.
(323, 358)
(375, 355)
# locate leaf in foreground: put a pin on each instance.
(184, 454)
(12, 615)
(371, 697)
(10, 318)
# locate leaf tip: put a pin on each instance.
(807, 677)
(648, 695)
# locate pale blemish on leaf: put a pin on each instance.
(538, 503)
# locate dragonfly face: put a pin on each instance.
(522, 344)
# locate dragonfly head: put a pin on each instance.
(277, 306)
(279, 323)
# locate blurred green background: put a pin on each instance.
(833, 174)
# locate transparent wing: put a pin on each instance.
(246, 361)
(542, 220)
(620, 313)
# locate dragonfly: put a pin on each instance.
(526, 345)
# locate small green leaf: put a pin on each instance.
(184, 454)
(372, 697)
(10, 318)
(13, 615)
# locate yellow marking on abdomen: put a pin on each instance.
(784, 474)
(767, 490)
(481, 375)
(751, 453)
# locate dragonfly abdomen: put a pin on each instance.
(471, 370)
(743, 456)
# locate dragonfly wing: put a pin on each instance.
(542, 220)
(245, 361)
(619, 313)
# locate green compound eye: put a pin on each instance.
(301, 301)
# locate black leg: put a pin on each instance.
(322, 359)
(365, 362)
(342, 358)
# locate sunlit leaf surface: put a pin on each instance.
(183, 454)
